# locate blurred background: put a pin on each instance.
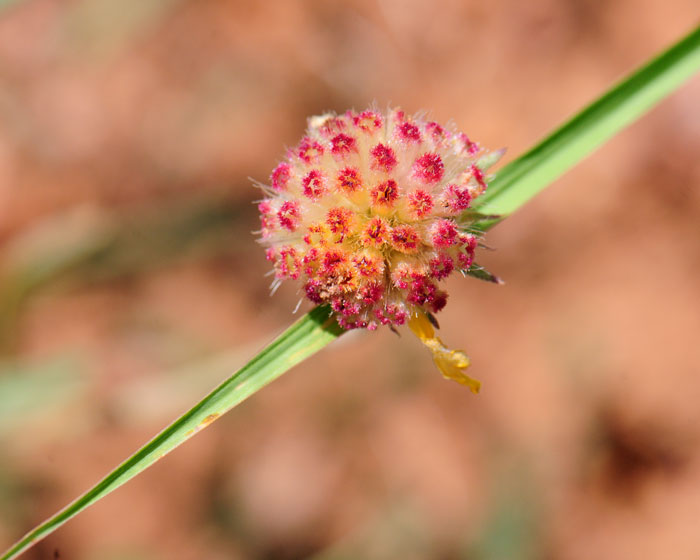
(130, 284)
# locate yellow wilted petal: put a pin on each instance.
(421, 327)
(451, 363)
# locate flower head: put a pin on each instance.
(370, 212)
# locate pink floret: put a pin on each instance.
(280, 177)
(383, 158)
(429, 168)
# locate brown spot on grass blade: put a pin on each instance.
(208, 420)
(203, 424)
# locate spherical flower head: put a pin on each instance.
(370, 212)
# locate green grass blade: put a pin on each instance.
(304, 338)
(524, 177)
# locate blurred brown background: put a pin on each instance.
(130, 284)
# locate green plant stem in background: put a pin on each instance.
(513, 186)
(7, 4)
